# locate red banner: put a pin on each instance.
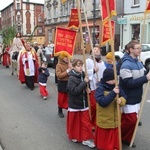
(147, 6)
(74, 19)
(106, 32)
(111, 9)
(64, 41)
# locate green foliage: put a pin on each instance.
(8, 33)
(32, 34)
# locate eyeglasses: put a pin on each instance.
(138, 48)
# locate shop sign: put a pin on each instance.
(122, 20)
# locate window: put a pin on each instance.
(136, 32)
(64, 9)
(48, 14)
(19, 29)
(40, 30)
(136, 2)
(39, 18)
(18, 6)
(97, 3)
(18, 18)
(55, 12)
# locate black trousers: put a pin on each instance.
(30, 82)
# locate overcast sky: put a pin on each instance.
(4, 3)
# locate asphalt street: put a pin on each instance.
(27, 122)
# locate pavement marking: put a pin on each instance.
(148, 101)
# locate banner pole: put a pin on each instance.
(115, 75)
(91, 44)
(83, 49)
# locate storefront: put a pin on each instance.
(136, 29)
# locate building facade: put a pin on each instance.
(26, 17)
(135, 27)
(57, 15)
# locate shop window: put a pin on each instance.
(136, 32)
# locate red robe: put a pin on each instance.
(21, 69)
(6, 57)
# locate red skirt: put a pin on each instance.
(106, 139)
(79, 126)
(63, 100)
(6, 59)
(93, 108)
(43, 90)
(128, 122)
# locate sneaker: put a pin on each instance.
(45, 98)
(74, 140)
(89, 143)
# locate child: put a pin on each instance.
(6, 57)
(42, 79)
(79, 128)
(109, 60)
(106, 135)
(62, 70)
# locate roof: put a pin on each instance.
(24, 1)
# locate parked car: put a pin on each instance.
(145, 55)
(49, 55)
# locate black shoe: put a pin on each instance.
(128, 144)
(60, 114)
(140, 123)
(12, 73)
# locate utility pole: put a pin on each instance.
(94, 20)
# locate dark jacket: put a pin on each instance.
(77, 90)
(42, 77)
(103, 100)
(132, 78)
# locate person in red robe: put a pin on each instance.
(28, 66)
(6, 57)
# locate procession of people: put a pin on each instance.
(89, 94)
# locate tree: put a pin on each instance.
(8, 34)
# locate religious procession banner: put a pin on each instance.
(64, 41)
(147, 6)
(74, 19)
(106, 32)
(112, 10)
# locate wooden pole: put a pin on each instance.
(145, 92)
(115, 75)
(139, 115)
(83, 49)
(91, 44)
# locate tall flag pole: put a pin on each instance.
(108, 11)
(147, 10)
(83, 49)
